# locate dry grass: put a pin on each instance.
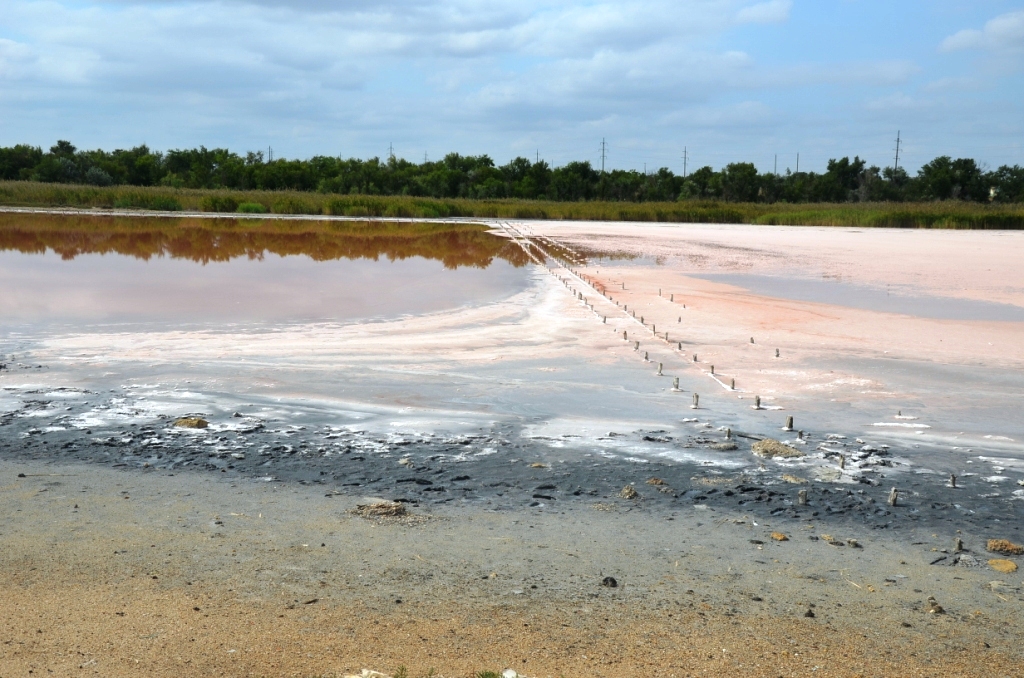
(1007, 548)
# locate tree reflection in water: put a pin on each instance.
(206, 240)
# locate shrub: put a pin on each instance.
(218, 203)
(293, 205)
(252, 208)
(97, 177)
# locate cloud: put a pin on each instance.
(494, 76)
(1005, 33)
(771, 12)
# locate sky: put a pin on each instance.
(724, 80)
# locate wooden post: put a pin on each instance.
(696, 402)
(694, 357)
(801, 497)
(636, 347)
(732, 384)
(625, 337)
(842, 461)
(659, 370)
(751, 340)
(645, 356)
(728, 434)
(789, 424)
(675, 384)
(894, 496)
(671, 297)
(952, 480)
(712, 370)
(757, 402)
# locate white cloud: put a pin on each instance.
(771, 12)
(1004, 33)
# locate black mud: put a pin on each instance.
(500, 469)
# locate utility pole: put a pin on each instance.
(896, 164)
(391, 151)
(685, 158)
(424, 157)
(604, 151)
(270, 154)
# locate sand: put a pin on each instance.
(112, 573)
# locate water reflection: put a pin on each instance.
(80, 271)
(207, 240)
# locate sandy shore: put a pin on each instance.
(508, 429)
(111, 573)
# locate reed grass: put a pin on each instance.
(946, 214)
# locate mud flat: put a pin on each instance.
(532, 445)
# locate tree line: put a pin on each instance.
(477, 177)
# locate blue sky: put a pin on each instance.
(729, 80)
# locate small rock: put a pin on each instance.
(1001, 565)
(628, 492)
(778, 536)
(770, 448)
(966, 560)
(537, 464)
(191, 422)
(934, 607)
(21, 475)
(1007, 548)
(609, 582)
(796, 480)
(854, 543)
(380, 509)
(655, 481)
(809, 614)
(509, 673)
(724, 447)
